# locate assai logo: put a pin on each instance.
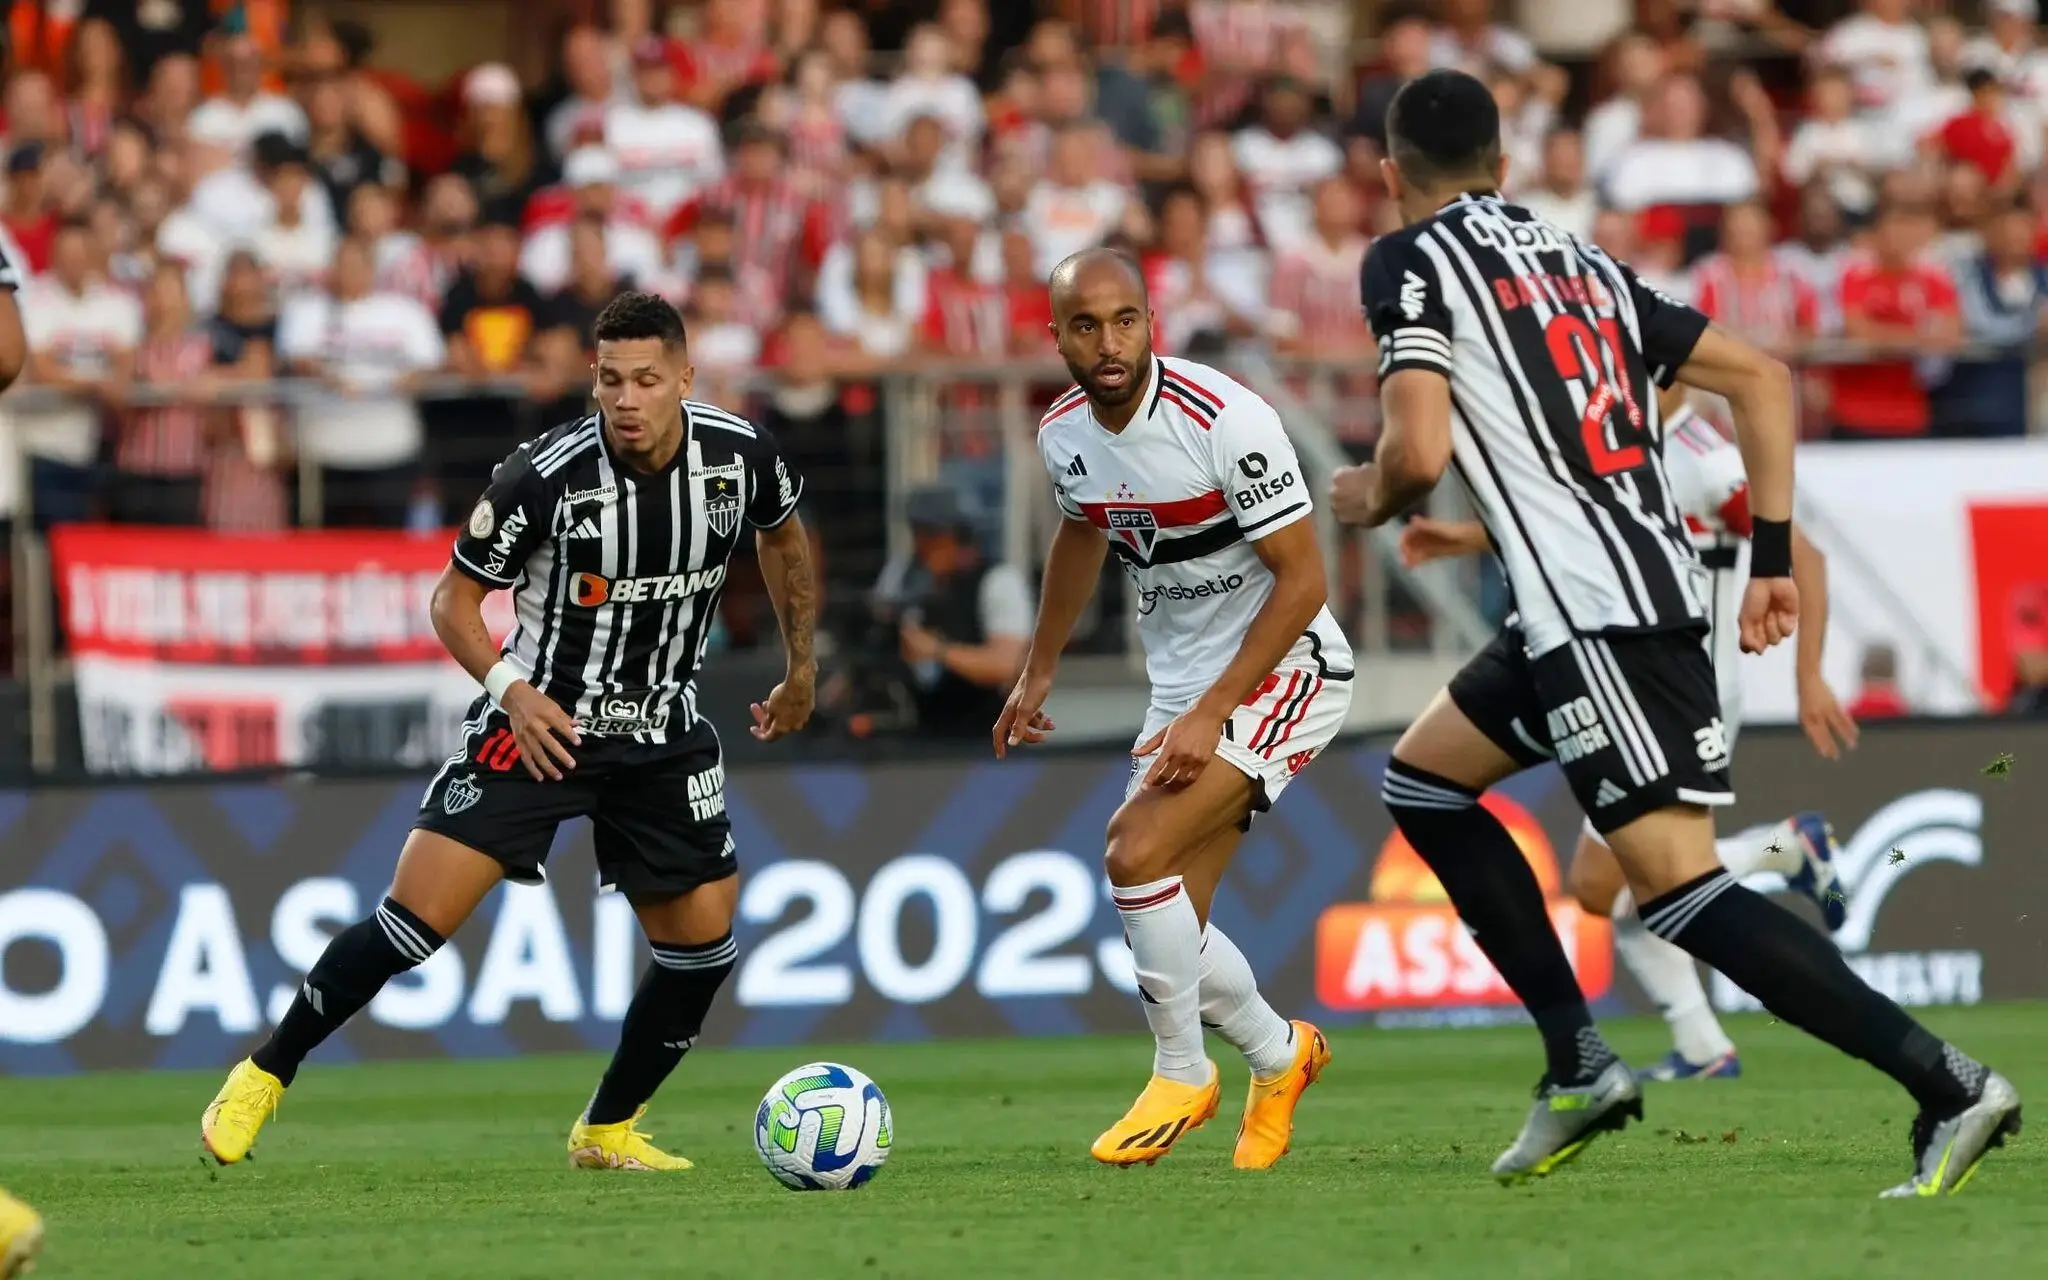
(593, 590)
(1406, 950)
(1148, 599)
(1912, 832)
(1135, 526)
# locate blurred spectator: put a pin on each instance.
(1834, 146)
(1526, 117)
(1931, 99)
(1818, 255)
(1197, 291)
(793, 27)
(591, 174)
(2004, 297)
(729, 52)
(369, 349)
(245, 488)
(1980, 135)
(928, 86)
(962, 197)
(1673, 162)
(498, 156)
(722, 346)
(2011, 49)
(667, 150)
(82, 336)
(1747, 289)
(1638, 66)
(1073, 207)
(963, 623)
(29, 219)
(1564, 199)
(340, 50)
(291, 244)
(808, 116)
(861, 101)
(98, 86)
(1282, 158)
(1030, 304)
(715, 247)
(839, 457)
(1469, 39)
(418, 264)
(171, 97)
(160, 451)
(579, 118)
(1878, 696)
(1143, 103)
(1314, 309)
(244, 111)
(1884, 51)
(778, 230)
(33, 114)
(966, 313)
(491, 317)
(1902, 303)
(1965, 201)
(874, 293)
(1404, 53)
(965, 24)
(1212, 168)
(569, 316)
(342, 158)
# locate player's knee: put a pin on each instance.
(1595, 877)
(1136, 854)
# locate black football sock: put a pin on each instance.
(661, 1024)
(1801, 977)
(1496, 895)
(348, 975)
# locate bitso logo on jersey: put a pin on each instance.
(1407, 949)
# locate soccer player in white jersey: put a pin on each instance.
(1712, 493)
(1189, 479)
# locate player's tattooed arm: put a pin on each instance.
(785, 552)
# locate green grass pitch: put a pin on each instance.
(458, 1170)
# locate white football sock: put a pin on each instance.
(1671, 978)
(1166, 952)
(1233, 1007)
(1777, 850)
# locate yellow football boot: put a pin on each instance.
(619, 1146)
(1268, 1124)
(1165, 1113)
(238, 1112)
(21, 1237)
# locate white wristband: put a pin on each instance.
(500, 678)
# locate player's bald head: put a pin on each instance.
(1093, 272)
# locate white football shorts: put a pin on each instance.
(1286, 723)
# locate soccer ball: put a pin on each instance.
(823, 1127)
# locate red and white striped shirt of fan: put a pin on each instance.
(1766, 303)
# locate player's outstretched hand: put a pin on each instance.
(1023, 722)
(1821, 715)
(1426, 538)
(788, 708)
(1183, 749)
(1351, 494)
(1770, 613)
(542, 731)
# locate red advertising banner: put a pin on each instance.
(2010, 543)
(196, 650)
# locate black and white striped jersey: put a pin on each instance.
(11, 261)
(615, 573)
(1554, 352)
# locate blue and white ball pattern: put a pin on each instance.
(823, 1127)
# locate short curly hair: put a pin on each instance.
(635, 315)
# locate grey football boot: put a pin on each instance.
(1946, 1150)
(1564, 1120)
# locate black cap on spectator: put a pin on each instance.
(503, 213)
(1444, 126)
(274, 151)
(26, 158)
(752, 130)
(1979, 78)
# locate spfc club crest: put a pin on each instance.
(462, 793)
(722, 506)
(1136, 527)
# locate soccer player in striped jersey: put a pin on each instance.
(612, 533)
(1190, 480)
(1712, 493)
(1527, 359)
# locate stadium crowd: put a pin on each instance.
(831, 192)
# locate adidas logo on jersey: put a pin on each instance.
(1076, 467)
(586, 529)
(1608, 794)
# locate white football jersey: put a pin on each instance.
(1712, 493)
(1199, 474)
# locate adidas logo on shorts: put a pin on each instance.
(1608, 794)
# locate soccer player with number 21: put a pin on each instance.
(613, 533)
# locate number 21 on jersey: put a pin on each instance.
(1576, 350)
